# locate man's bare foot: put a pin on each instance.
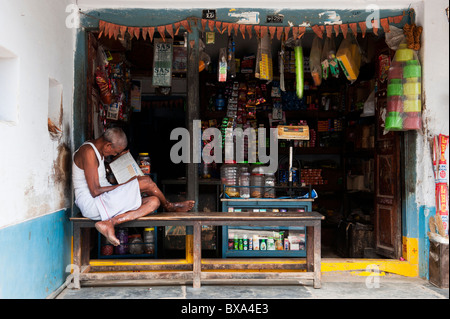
(180, 206)
(106, 228)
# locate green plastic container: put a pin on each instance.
(403, 53)
(394, 89)
(412, 88)
(412, 69)
(412, 105)
(394, 122)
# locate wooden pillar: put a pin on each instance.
(193, 113)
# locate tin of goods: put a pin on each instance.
(149, 240)
(144, 163)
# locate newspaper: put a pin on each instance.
(125, 167)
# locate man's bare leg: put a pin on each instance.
(150, 188)
(106, 227)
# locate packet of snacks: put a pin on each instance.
(441, 174)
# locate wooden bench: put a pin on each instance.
(191, 269)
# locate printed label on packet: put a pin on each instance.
(442, 166)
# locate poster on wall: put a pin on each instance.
(136, 95)
(162, 62)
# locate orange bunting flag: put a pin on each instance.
(204, 21)
(336, 29)
(295, 32)
(162, 32)
(353, 27)
(385, 25)
(344, 29)
(398, 19)
(101, 28)
(363, 27)
(225, 26)
(375, 26)
(242, 28)
(301, 32)
(211, 25)
(186, 25)
(169, 29)
(151, 32)
(218, 25)
(264, 31)
(272, 31)
(235, 28)
(257, 31)
(177, 27)
(123, 29)
(329, 29)
(249, 31)
(279, 32)
(286, 33)
(115, 30)
(318, 31)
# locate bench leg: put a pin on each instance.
(76, 256)
(317, 256)
(197, 255)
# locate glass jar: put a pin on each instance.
(269, 190)
(135, 244)
(144, 162)
(244, 182)
(122, 236)
(149, 240)
(257, 183)
(229, 174)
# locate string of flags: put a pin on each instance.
(110, 30)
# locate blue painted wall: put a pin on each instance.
(34, 255)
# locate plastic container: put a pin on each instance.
(412, 88)
(395, 104)
(395, 72)
(122, 236)
(229, 174)
(257, 182)
(149, 240)
(244, 183)
(412, 105)
(394, 121)
(144, 162)
(403, 53)
(135, 244)
(412, 121)
(394, 88)
(269, 183)
(412, 69)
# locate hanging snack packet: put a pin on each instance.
(222, 69)
(314, 61)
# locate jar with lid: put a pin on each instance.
(149, 240)
(229, 174)
(269, 190)
(136, 245)
(122, 236)
(144, 162)
(244, 183)
(257, 181)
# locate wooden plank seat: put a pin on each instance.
(193, 269)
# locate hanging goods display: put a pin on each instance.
(404, 104)
(314, 61)
(349, 58)
(162, 62)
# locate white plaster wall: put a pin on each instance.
(31, 180)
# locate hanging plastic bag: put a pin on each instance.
(394, 37)
(330, 66)
(314, 61)
(204, 59)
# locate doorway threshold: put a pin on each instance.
(364, 266)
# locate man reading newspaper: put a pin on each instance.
(111, 204)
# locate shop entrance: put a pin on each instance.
(349, 160)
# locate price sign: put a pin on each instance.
(209, 14)
(275, 18)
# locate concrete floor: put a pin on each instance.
(334, 286)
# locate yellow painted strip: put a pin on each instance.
(368, 273)
(128, 262)
(190, 248)
(410, 250)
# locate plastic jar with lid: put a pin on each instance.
(257, 181)
(149, 240)
(136, 245)
(144, 162)
(229, 174)
(122, 236)
(269, 190)
(244, 183)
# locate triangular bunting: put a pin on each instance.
(301, 32)
(264, 31)
(336, 29)
(169, 29)
(257, 29)
(295, 32)
(144, 33)
(375, 26)
(162, 32)
(363, 27)
(230, 28)
(186, 25)
(218, 26)
(242, 28)
(344, 29)
(398, 19)
(211, 25)
(385, 25)
(151, 32)
(353, 27)
(249, 30)
(109, 30)
(272, 31)
(204, 21)
(286, 33)
(123, 29)
(235, 28)
(329, 29)
(225, 26)
(101, 28)
(177, 27)
(115, 30)
(318, 31)
(279, 32)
